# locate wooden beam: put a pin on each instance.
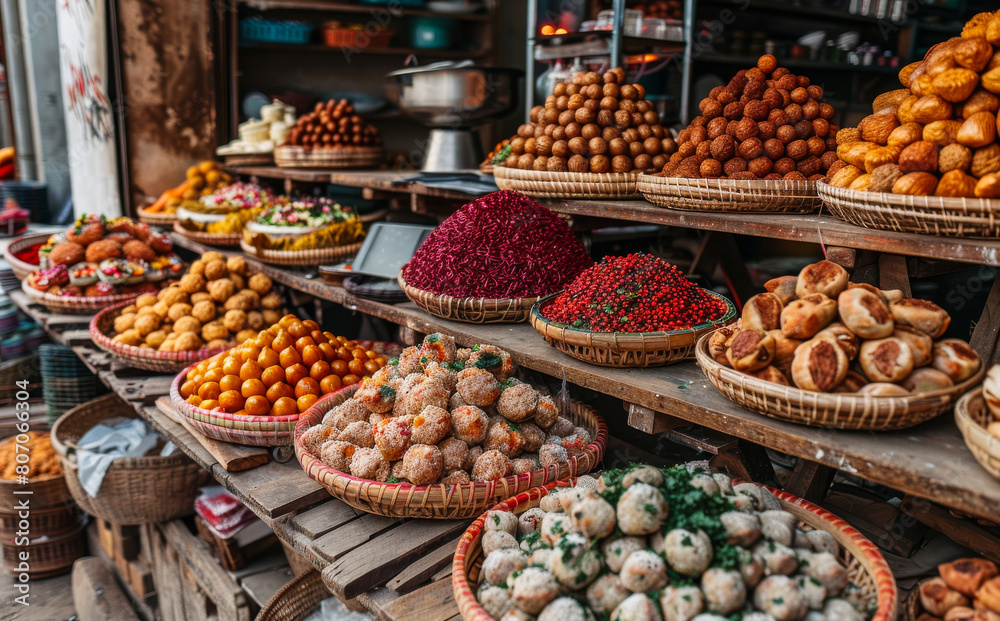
(963, 531)
(810, 480)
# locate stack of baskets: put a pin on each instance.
(66, 381)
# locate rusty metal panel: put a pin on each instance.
(168, 90)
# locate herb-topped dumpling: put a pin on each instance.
(566, 609)
(641, 510)
(637, 607)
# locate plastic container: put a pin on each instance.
(257, 30)
(359, 38)
(431, 33)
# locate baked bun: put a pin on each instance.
(892, 295)
(886, 360)
(804, 317)
(847, 340)
(923, 315)
(762, 312)
(853, 382)
(865, 313)
(956, 358)
(771, 374)
(750, 350)
(784, 350)
(938, 598)
(783, 287)
(966, 575)
(824, 277)
(989, 594)
(819, 364)
(920, 344)
(960, 613)
(991, 391)
(927, 380)
(882, 389)
(719, 342)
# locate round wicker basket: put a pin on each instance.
(73, 304)
(469, 310)
(49, 522)
(102, 325)
(156, 218)
(625, 349)
(830, 410)
(19, 267)
(46, 492)
(441, 502)
(972, 416)
(212, 239)
(866, 568)
(544, 184)
(730, 195)
(928, 215)
(296, 600)
(51, 557)
(135, 490)
(289, 156)
(302, 258)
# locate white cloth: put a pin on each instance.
(104, 443)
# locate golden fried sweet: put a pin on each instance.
(271, 316)
(155, 338)
(214, 330)
(67, 253)
(146, 299)
(87, 234)
(129, 337)
(201, 296)
(271, 300)
(241, 301)
(237, 265)
(234, 320)
(187, 324)
(192, 283)
(203, 311)
(245, 334)
(221, 289)
(137, 250)
(212, 255)
(216, 270)
(187, 341)
(261, 283)
(238, 281)
(217, 344)
(131, 308)
(255, 320)
(103, 249)
(173, 294)
(124, 322)
(178, 310)
(144, 324)
(197, 267)
(160, 308)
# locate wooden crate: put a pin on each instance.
(230, 554)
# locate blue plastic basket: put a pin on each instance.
(30, 195)
(258, 30)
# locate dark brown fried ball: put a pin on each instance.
(138, 250)
(103, 249)
(67, 253)
(751, 148)
(87, 234)
(710, 168)
(600, 164)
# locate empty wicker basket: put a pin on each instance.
(135, 490)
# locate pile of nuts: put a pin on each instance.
(938, 135)
(765, 124)
(594, 124)
(333, 124)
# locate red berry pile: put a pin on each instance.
(635, 293)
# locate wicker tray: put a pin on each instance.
(928, 215)
(302, 258)
(833, 411)
(442, 502)
(470, 310)
(296, 600)
(19, 267)
(156, 218)
(150, 359)
(866, 568)
(730, 195)
(135, 490)
(248, 430)
(226, 240)
(545, 184)
(625, 349)
(75, 305)
(51, 557)
(972, 416)
(288, 156)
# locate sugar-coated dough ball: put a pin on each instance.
(724, 591)
(533, 589)
(605, 593)
(681, 603)
(644, 570)
(634, 515)
(617, 550)
(565, 609)
(501, 563)
(636, 607)
(501, 520)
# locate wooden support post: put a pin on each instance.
(984, 337)
(409, 336)
(96, 593)
(747, 461)
(810, 480)
(720, 250)
(963, 531)
(650, 421)
(893, 273)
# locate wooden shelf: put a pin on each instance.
(750, 61)
(388, 51)
(808, 12)
(343, 7)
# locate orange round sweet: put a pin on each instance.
(287, 320)
(253, 387)
(289, 357)
(257, 405)
(272, 375)
(239, 413)
(344, 354)
(356, 366)
(230, 382)
(340, 339)
(358, 354)
(349, 344)
(303, 342)
(267, 358)
(274, 329)
(320, 370)
(208, 404)
(284, 406)
(350, 379)
(330, 383)
(311, 325)
(232, 364)
(329, 352)
(305, 402)
(198, 379)
(214, 363)
(295, 372)
(188, 388)
(371, 367)
(339, 367)
(282, 341)
(382, 361)
(318, 336)
(250, 353)
(307, 386)
(298, 330)
(209, 390)
(231, 400)
(279, 390)
(311, 354)
(264, 339)
(371, 353)
(214, 375)
(194, 400)
(250, 370)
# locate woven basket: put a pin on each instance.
(928, 215)
(156, 218)
(48, 558)
(49, 522)
(226, 240)
(19, 267)
(73, 304)
(830, 410)
(302, 258)
(544, 184)
(135, 490)
(248, 430)
(288, 156)
(102, 325)
(625, 349)
(441, 502)
(470, 310)
(972, 416)
(296, 600)
(866, 569)
(46, 492)
(730, 195)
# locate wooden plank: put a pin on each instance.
(283, 488)
(178, 435)
(232, 457)
(335, 544)
(318, 521)
(262, 586)
(434, 602)
(963, 531)
(369, 565)
(893, 273)
(810, 480)
(96, 593)
(984, 337)
(420, 570)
